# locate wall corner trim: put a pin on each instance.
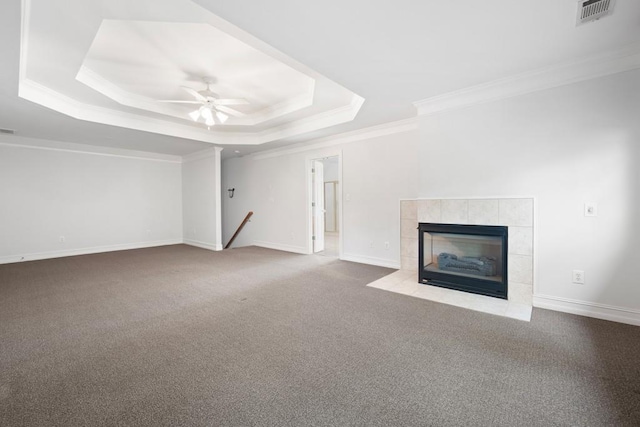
(588, 309)
(574, 71)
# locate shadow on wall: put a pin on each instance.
(623, 398)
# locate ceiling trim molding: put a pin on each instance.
(390, 128)
(70, 147)
(35, 92)
(295, 104)
(546, 78)
(100, 84)
(202, 154)
(38, 93)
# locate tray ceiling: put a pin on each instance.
(111, 62)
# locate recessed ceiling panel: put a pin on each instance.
(121, 60)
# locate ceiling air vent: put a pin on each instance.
(592, 10)
(7, 131)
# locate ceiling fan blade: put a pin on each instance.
(231, 111)
(179, 102)
(194, 93)
(239, 101)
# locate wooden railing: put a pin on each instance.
(246, 219)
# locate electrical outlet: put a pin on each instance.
(386, 245)
(61, 239)
(578, 277)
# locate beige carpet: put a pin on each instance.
(183, 336)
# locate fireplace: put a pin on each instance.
(470, 258)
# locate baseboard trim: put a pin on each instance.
(87, 251)
(202, 245)
(589, 309)
(282, 247)
(380, 262)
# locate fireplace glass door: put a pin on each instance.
(464, 257)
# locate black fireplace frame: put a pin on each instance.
(463, 283)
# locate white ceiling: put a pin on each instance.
(389, 53)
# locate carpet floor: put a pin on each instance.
(178, 335)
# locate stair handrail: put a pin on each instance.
(246, 219)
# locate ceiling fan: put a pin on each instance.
(213, 109)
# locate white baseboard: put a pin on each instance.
(589, 309)
(380, 262)
(203, 245)
(87, 251)
(282, 247)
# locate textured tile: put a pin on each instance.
(409, 248)
(409, 209)
(429, 211)
(517, 212)
(409, 264)
(458, 298)
(484, 212)
(408, 229)
(490, 305)
(391, 279)
(520, 293)
(521, 240)
(519, 311)
(455, 211)
(383, 284)
(403, 275)
(433, 293)
(520, 269)
(406, 287)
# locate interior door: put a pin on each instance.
(318, 206)
(330, 206)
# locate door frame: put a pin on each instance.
(309, 199)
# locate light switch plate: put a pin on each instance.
(590, 209)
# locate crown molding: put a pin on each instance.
(102, 85)
(70, 147)
(390, 128)
(545, 78)
(202, 154)
(41, 94)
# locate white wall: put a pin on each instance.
(564, 146)
(377, 173)
(97, 202)
(201, 206)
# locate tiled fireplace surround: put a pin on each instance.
(515, 213)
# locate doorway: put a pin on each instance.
(325, 206)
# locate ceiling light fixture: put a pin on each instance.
(213, 110)
(209, 114)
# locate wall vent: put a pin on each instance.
(7, 131)
(592, 10)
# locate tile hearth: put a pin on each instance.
(515, 213)
(406, 283)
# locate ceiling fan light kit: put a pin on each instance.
(212, 105)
